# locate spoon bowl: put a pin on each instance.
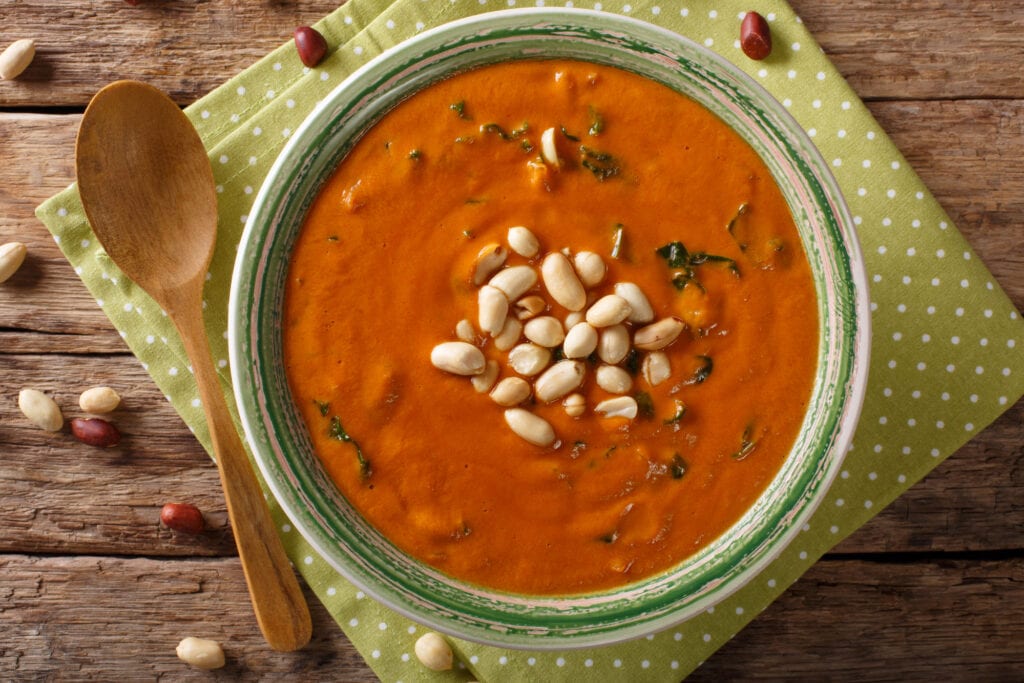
(148, 191)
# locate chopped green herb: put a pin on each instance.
(699, 258)
(680, 412)
(731, 225)
(459, 108)
(702, 372)
(526, 145)
(596, 122)
(747, 444)
(644, 404)
(337, 431)
(577, 449)
(569, 135)
(677, 256)
(618, 240)
(632, 362)
(332, 238)
(468, 234)
(608, 453)
(557, 354)
(496, 129)
(679, 466)
(323, 407)
(601, 164)
(465, 139)
(521, 130)
(610, 538)
(475, 200)
(415, 154)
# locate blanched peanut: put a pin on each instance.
(574, 405)
(509, 336)
(658, 335)
(580, 341)
(464, 331)
(490, 258)
(16, 58)
(201, 653)
(614, 379)
(609, 310)
(529, 306)
(641, 308)
(530, 427)
(493, 309)
(558, 380)
(561, 282)
(514, 281)
(486, 379)
(613, 345)
(529, 359)
(590, 268)
(510, 391)
(458, 358)
(12, 255)
(544, 331)
(523, 242)
(42, 410)
(99, 400)
(433, 652)
(620, 406)
(548, 150)
(656, 368)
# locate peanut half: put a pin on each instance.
(16, 58)
(12, 255)
(458, 358)
(42, 410)
(201, 653)
(530, 427)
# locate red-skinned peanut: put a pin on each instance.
(755, 36)
(311, 45)
(182, 517)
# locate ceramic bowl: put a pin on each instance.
(279, 439)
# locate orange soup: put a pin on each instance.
(551, 327)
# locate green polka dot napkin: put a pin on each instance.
(945, 361)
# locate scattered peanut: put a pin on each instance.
(458, 358)
(182, 517)
(99, 400)
(561, 282)
(656, 368)
(514, 281)
(609, 310)
(509, 336)
(548, 150)
(528, 359)
(434, 652)
(755, 36)
(529, 306)
(493, 307)
(613, 345)
(489, 259)
(95, 432)
(530, 427)
(511, 391)
(590, 268)
(523, 242)
(12, 255)
(42, 410)
(574, 405)
(558, 380)
(640, 307)
(483, 382)
(311, 45)
(544, 331)
(658, 335)
(620, 406)
(580, 341)
(201, 653)
(614, 379)
(464, 331)
(16, 58)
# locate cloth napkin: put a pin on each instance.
(945, 359)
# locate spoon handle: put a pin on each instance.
(281, 609)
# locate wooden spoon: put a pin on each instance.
(148, 190)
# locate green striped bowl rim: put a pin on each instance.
(279, 439)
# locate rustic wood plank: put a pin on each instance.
(953, 620)
(918, 49)
(66, 497)
(86, 617)
(910, 49)
(78, 618)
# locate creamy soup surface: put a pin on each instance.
(588, 159)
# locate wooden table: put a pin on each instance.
(91, 586)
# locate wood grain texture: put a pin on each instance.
(930, 588)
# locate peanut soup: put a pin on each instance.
(551, 327)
